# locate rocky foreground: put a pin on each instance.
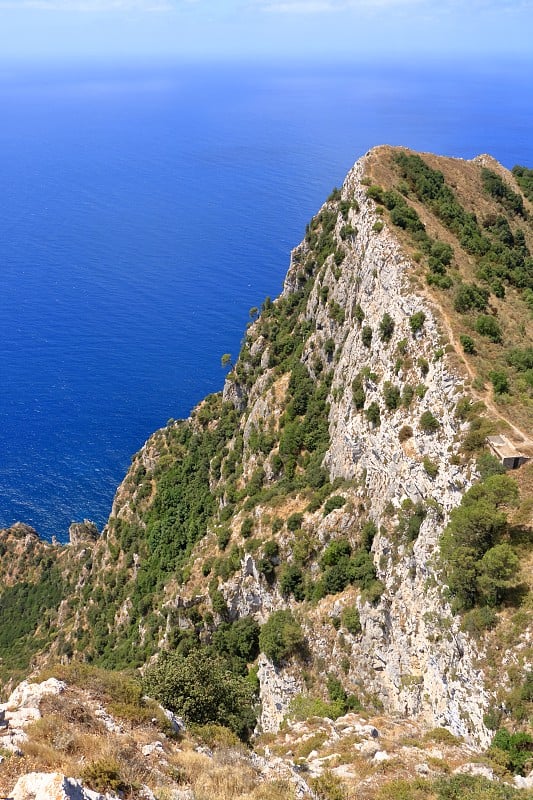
(65, 728)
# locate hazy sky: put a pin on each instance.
(264, 28)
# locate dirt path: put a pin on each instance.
(520, 436)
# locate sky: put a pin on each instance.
(55, 30)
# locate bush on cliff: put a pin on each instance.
(201, 689)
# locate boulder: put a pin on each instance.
(29, 695)
(53, 786)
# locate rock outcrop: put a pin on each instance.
(411, 651)
(54, 786)
(22, 708)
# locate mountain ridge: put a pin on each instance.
(321, 482)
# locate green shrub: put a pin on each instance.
(328, 787)
(408, 393)
(500, 381)
(431, 468)
(411, 520)
(521, 360)
(362, 569)
(294, 522)
(416, 321)
(291, 582)
(335, 552)
(247, 527)
(223, 537)
(479, 620)
(366, 335)
(518, 748)
(104, 775)
(358, 392)
(470, 296)
(303, 707)
(281, 637)
(351, 620)
(391, 395)
(488, 465)
(502, 192)
(368, 533)
(373, 414)
(423, 366)
(489, 327)
(336, 501)
(207, 566)
(200, 688)
(358, 313)
(386, 327)
(238, 640)
(428, 423)
(468, 344)
(498, 571)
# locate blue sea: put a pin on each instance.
(145, 208)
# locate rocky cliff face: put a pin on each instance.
(337, 426)
(410, 651)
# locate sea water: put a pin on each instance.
(145, 208)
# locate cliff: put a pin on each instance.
(337, 477)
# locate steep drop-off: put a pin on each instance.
(322, 480)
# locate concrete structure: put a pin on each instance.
(506, 452)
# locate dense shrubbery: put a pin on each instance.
(291, 581)
(479, 565)
(489, 326)
(514, 751)
(501, 253)
(341, 566)
(456, 787)
(502, 192)
(428, 422)
(351, 620)
(23, 608)
(281, 637)
(524, 178)
(386, 327)
(200, 688)
(469, 296)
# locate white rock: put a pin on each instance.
(153, 747)
(381, 756)
(107, 720)
(29, 695)
(368, 748)
(523, 783)
(53, 786)
(473, 768)
(176, 723)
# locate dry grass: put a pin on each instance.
(228, 775)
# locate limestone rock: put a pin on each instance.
(473, 768)
(53, 786)
(524, 783)
(176, 723)
(22, 708)
(278, 687)
(152, 748)
(29, 695)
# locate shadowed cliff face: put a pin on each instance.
(323, 477)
